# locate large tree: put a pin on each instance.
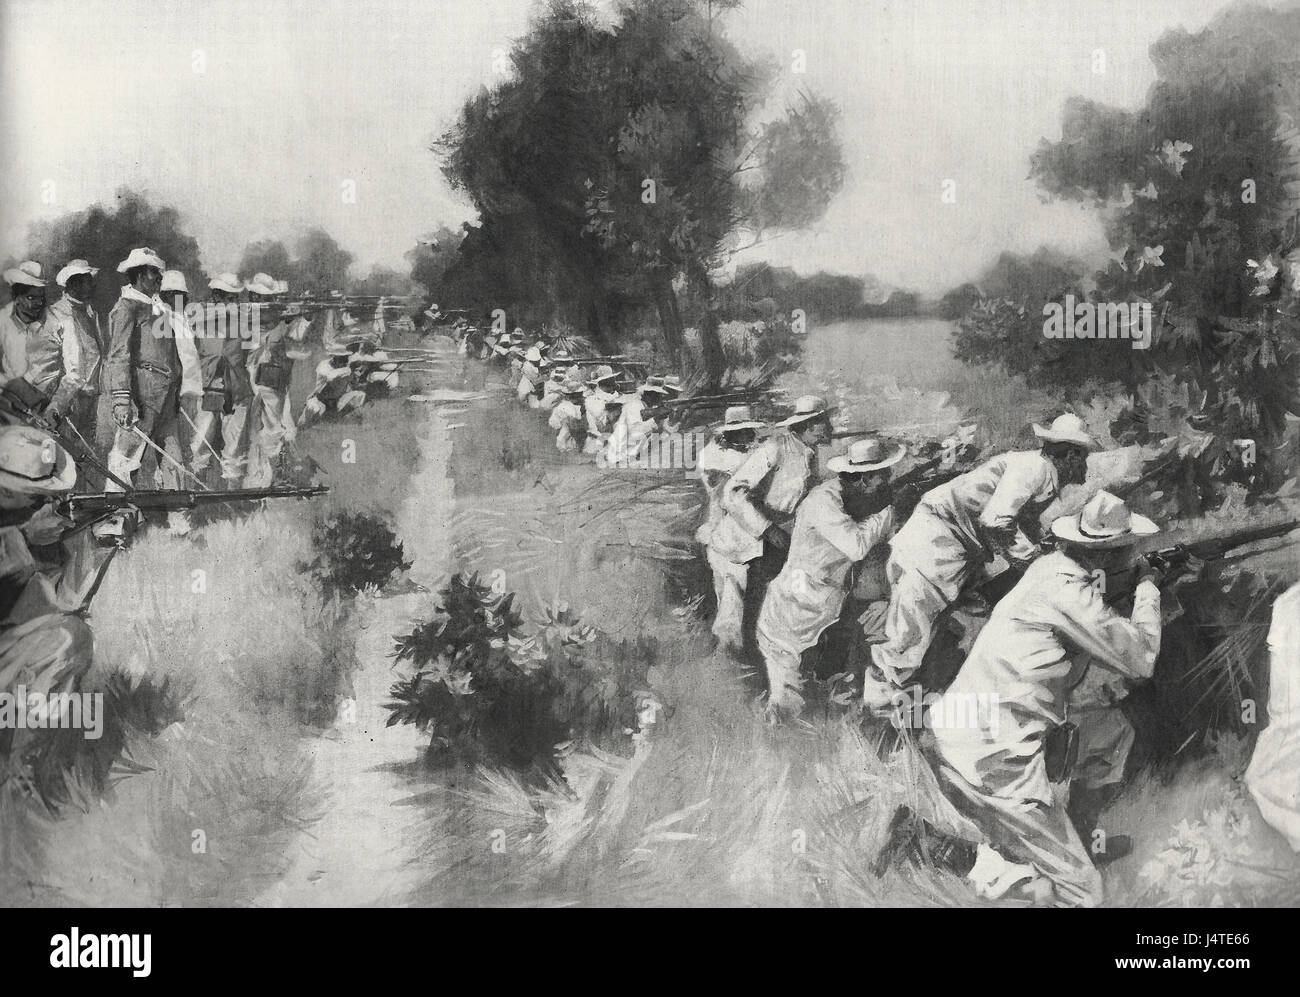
(1200, 189)
(634, 155)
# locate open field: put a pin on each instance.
(281, 785)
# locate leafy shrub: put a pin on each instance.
(355, 551)
(488, 688)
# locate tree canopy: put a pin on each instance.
(624, 164)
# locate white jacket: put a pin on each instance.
(808, 595)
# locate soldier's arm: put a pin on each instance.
(1127, 645)
(117, 368)
(1000, 516)
(737, 495)
(855, 539)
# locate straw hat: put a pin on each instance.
(263, 283)
(174, 281)
(33, 462)
(227, 282)
(807, 407)
(142, 257)
(738, 417)
(1106, 521)
(74, 268)
(28, 273)
(866, 455)
(1068, 428)
(603, 373)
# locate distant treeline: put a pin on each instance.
(760, 291)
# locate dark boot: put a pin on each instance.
(1085, 810)
(914, 840)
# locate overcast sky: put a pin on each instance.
(251, 115)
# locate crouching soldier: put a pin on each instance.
(717, 462)
(835, 527)
(336, 390)
(45, 644)
(1003, 742)
(567, 417)
(955, 530)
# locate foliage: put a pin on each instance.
(319, 264)
(1200, 193)
(563, 151)
(488, 688)
(1200, 862)
(355, 551)
(1201, 189)
(105, 236)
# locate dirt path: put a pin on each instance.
(362, 851)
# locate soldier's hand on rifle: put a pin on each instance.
(905, 498)
(124, 414)
(46, 526)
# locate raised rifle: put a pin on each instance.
(674, 405)
(1170, 559)
(615, 361)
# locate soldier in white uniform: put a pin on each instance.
(718, 461)
(760, 499)
(45, 646)
(994, 724)
(955, 530)
(567, 418)
(835, 528)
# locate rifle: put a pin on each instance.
(696, 402)
(1169, 560)
(92, 506)
(394, 362)
(612, 361)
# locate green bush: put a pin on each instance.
(355, 551)
(488, 688)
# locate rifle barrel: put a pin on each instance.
(166, 500)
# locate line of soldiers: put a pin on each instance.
(612, 413)
(159, 389)
(1033, 765)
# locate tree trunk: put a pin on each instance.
(715, 361)
(670, 319)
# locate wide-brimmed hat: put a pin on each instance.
(1106, 521)
(572, 386)
(534, 355)
(866, 455)
(227, 282)
(602, 373)
(264, 283)
(673, 383)
(338, 350)
(74, 268)
(174, 280)
(737, 417)
(33, 463)
(142, 257)
(29, 273)
(807, 407)
(1068, 428)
